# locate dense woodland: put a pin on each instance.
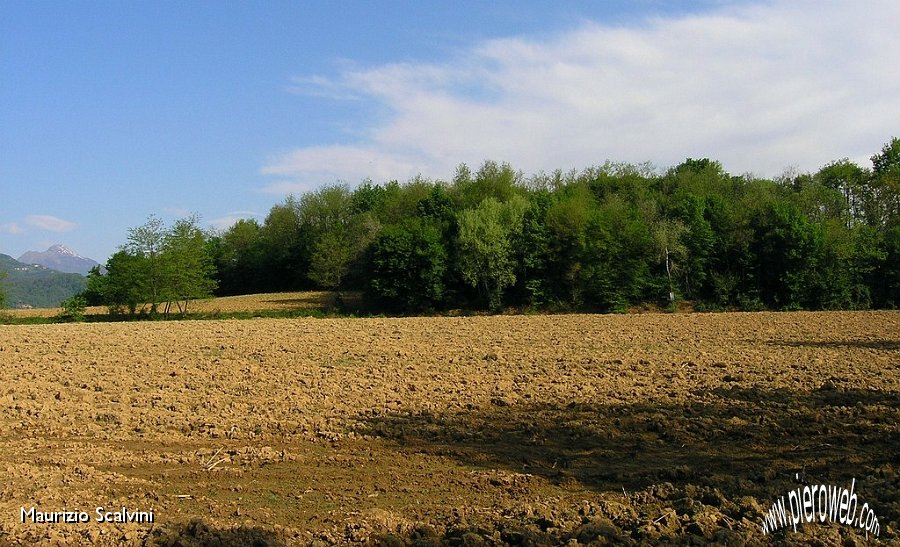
(601, 239)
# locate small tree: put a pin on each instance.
(73, 309)
(187, 267)
(667, 238)
(146, 243)
(157, 266)
(126, 283)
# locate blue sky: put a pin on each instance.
(112, 111)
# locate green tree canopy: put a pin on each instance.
(146, 243)
(485, 245)
(407, 265)
(604, 238)
(156, 266)
(188, 267)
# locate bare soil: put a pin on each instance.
(525, 430)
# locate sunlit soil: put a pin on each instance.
(648, 428)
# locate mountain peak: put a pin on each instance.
(60, 258)
(59, 248)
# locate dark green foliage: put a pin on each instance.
(73, 309)
(407, 265)
(437, 206)
(788, 249)
(126, 285)
(238, 257)
(616, 263)
(532, 251)
(368, 197)
(699, 241)
(886, 278)
(730, 271)
(566, 224)
(95, 290)
(283, 249)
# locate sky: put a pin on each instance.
(114, 111)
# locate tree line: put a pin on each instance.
(600, 239)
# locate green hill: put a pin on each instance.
(27, 285)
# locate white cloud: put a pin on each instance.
(759, 87)
(50, 223)
(11, 228)
(228, 219)
(307, 168)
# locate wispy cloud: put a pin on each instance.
(50, 223)
(11, 228)
(320, 86)
(758, 86)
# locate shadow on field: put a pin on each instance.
(197, 534)
(745, 442)
(303, 302)
(319, 301)
(884, 345)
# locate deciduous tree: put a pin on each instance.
(485, 249)
(188, 268)
(145, 243)
(126, 283)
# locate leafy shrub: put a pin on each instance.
(73, 309)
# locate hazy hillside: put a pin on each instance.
(36, 286)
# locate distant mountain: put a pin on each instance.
(28, 285)
(61, 259)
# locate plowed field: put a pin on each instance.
(496, 430)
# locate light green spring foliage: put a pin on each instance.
(485, 245)
(337, 233)
(159, 266)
